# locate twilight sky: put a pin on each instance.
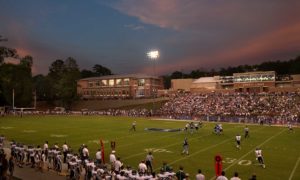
(190, 34)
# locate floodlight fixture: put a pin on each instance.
(154, 54)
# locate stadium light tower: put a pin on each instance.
(153, 56)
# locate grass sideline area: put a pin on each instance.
(110, 104)
(281, 148)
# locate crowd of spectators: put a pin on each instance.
(266, 106)
(279, 108)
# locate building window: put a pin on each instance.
(111, 82)
(126, 81)
(90, 84)
(140, 93)
(116, 93)
(104, 83)
(97, 83)
(118, 82)
(141, 82)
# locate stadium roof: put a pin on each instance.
(121, 76)
(205, 80)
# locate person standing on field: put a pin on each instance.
(238, 141)
(185, 147)
(259, 157)
(133, 126)
(149, 162)
(246, 131)
(65, 149)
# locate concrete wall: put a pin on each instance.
(181, 84)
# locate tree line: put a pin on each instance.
(60, 83)
(291, 66)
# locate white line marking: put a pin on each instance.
(251, 151)
(170, 145)
(166, 136)
(6, 127)
(294, 169)
(163, 147)
(58, 135)
(29, 131)
(202, 150)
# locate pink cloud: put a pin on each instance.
(239, 30)
(198, 15)
(282, 40)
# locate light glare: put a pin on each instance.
(153, 54)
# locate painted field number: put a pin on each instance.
(157, 150)
(242, 162)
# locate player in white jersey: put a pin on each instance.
(238, 141)
(290, 126)
(221, 128)
(142, 168)
(199, 175)
(118, 165)
(222, 176)
(133, 126)
(149, 161)
(185, 147)
(98, 157)
(65, 150)
(46, 149)
(246, 131)
(235, 176)
(85, 153)
(259, 157)
(2, 138)
(112, 159)
(186, 127)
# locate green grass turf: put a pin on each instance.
(281, 148)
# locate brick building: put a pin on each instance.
(119, 86)
(253, 82)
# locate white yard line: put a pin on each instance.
(294, 169)
(202, 150)
(161, 137)
(170, 145)
(251, 151)
(134, 155)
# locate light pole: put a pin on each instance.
(153, 56)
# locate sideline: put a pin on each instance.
(294, 169)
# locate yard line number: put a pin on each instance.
(157, 150)
(242, 162)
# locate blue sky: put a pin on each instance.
(117, 33)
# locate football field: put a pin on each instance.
(280, 147)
